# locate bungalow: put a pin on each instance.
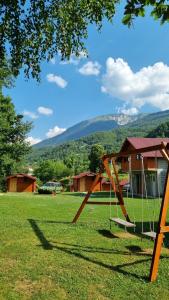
(21, 183)
(153, 165)
(83, 181)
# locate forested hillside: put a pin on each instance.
(161, 131)
(74, 154)
(111, 140)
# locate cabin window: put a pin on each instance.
(138, 156)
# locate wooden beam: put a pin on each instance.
(164, 229)
(108, 171)
(165, 154)
(98, 177)
(136, 151)
(116, 188)
(160, 234)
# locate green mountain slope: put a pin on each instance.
(111, 139)
(161, 131)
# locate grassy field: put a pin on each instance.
(44, 256)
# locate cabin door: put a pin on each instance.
(13, 185)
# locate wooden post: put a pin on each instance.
(117, 189)
(160, 231)
(98, 177)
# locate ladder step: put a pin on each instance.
(122, 222)
(150, 234)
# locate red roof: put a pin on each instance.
(105, 181)
(21, 175)
(124, 181)
(138, 143)
(88, 174)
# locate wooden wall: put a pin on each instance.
(136, 164)
(84, 183)
(20, 184)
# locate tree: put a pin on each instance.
(32, 31)
(95, 155)
(6, 78)
(76, 162)
(13, 146)
(161, 131)
(51, 170)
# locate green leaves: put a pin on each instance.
(33, 31)
(51, 170)
(159, 10)
(95, 156)
(12, 137)
(37, 30)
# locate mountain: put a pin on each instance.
(87, 127)
(111, 139)
(145, 125)
(151, 120)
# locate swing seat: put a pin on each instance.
(122, 222)
(151, 234)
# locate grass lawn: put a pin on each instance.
(44, 256)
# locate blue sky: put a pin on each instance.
(127, 71)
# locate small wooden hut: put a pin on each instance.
(106, 186)
(83, 181)
(21, 183)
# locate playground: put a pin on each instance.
(44, 256)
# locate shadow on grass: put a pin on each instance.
(93, 195)
(51, 221)
(44, 242)
(73, 250)
(107, 233)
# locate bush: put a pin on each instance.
(45, 191)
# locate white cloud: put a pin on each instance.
(30, 114)
(45, 110)
(57, 80)
(90, 68)
(55, 131)
(32, 140)
(128, 111)
(150, 85)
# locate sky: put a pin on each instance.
(127, 71)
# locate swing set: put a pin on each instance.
(162, 228)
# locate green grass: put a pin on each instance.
(44, 256)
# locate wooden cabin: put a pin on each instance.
(105, 185)
(21, 183)
(154, 166)
(83, 181)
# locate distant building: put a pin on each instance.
(154, 165)
(21, 183)
(83, 181)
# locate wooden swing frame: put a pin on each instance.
(162, 228)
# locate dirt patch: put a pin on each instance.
(94, 294)
(27, 287)
(150, 251)
(8, 264)
(125, 235)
